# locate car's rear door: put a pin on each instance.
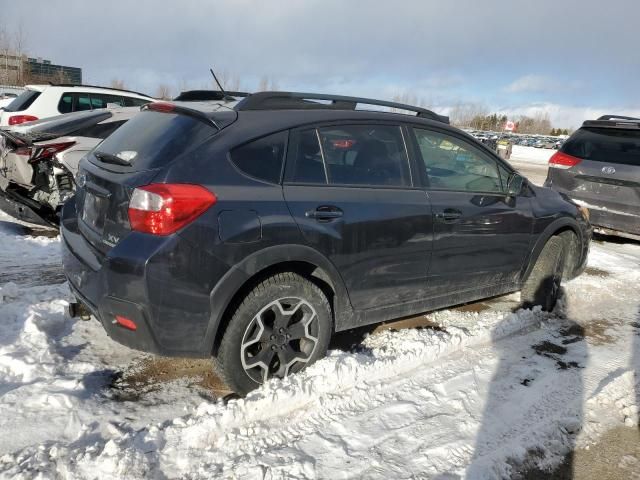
(600, 168)
(351, 192)
(481, 235)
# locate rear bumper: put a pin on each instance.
(616, 221)
(153, 281)
(21, 211)
(88, 280)
(617, 233)
(600, 216)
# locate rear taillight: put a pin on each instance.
(126, 323)
(18, 119)
(564, 161)
(164, 208)
(44, 152)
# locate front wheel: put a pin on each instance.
(543, 285)
(281, 326)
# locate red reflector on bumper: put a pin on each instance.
(126, 323)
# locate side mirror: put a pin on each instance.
(514, 185)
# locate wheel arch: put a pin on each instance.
(557, 227)
(239, 281)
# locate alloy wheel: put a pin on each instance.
(280, 339)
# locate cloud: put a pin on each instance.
(542, 84)
(442, 52)
(533, 84)
(567, 116)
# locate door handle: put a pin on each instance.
(324, 213)
(449, 215)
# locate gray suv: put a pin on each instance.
(598, 167)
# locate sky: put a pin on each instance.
(573, 59)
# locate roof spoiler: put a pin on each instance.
(313, 101)
(612, 121)
(207, 95)
(617, 117)
(168, 107)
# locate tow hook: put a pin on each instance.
(78, 310)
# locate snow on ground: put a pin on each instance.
(531, 155)
(487, 392)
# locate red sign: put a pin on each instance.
(510, 126)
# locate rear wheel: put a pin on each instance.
(281, 326)
(543, 285)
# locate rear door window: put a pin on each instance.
(262, 158)
(82, 102)
(456, 165)
(100, 100)
(22, 101)
(305, 163)
(359, 155)
(609, 145)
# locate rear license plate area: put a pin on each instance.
(93, 211)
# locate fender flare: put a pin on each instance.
(237, 277)
(554, 227)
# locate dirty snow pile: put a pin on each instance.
(486, 393)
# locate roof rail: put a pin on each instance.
(97, 86)
(204, 95)
(302, 101)
(616, 122)
(616, 117)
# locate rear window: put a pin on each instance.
(22, 101)
(153, 139)
(262, 158)
(605, 145)
(99, 130)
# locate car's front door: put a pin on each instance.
(481, 235)
(351, 192)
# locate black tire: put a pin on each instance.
(275, 324)
(543, 285)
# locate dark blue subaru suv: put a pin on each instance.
(252, 230)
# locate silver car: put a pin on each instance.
(598, 167)
(39, 160)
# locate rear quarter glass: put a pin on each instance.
(152, 139)
(611, 145)
(22, 101)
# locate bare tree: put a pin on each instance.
(163, 92)
(463, 114)
(229, 81)
(183, 85)
(20, 45)
(5, 50)
(117, 83)
(268, 84)
(407, 98)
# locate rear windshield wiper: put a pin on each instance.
(111, 158)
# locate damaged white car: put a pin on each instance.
(39, 160)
